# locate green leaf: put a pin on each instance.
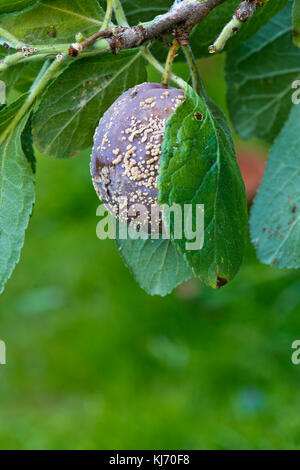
(16, 195)
(20, 77)
(8, 113)
(143, 10)
(205, 33)
(275, 217)
(54, 21)
(296, 22)
(198, 166)
(8, 6)
(72, 106)
(259, 75)
(156, 264)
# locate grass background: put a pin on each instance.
(95, 363)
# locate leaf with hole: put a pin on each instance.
(198, 166)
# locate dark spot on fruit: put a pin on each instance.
(133, 93)
(98, 166)
(294, 208)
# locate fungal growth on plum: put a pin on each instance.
(127, 149)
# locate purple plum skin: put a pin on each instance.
(127, 146)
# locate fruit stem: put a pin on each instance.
(151, 59)
(168, 66)
(108, 13)
(197, 82)
(119, 13)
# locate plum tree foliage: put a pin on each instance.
(65, 64)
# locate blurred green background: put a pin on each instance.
(95, 363)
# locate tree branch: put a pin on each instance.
(179, 21)
(157, 65)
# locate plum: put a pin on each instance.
(127, 147)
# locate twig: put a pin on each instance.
(46, 51)
(168, 66)
(245, 11)
(151, 59)
(107, 17)
(119, 13)
(76, 48)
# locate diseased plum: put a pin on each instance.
(127, 147)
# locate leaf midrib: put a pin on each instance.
(69, 12)
(277, 98)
